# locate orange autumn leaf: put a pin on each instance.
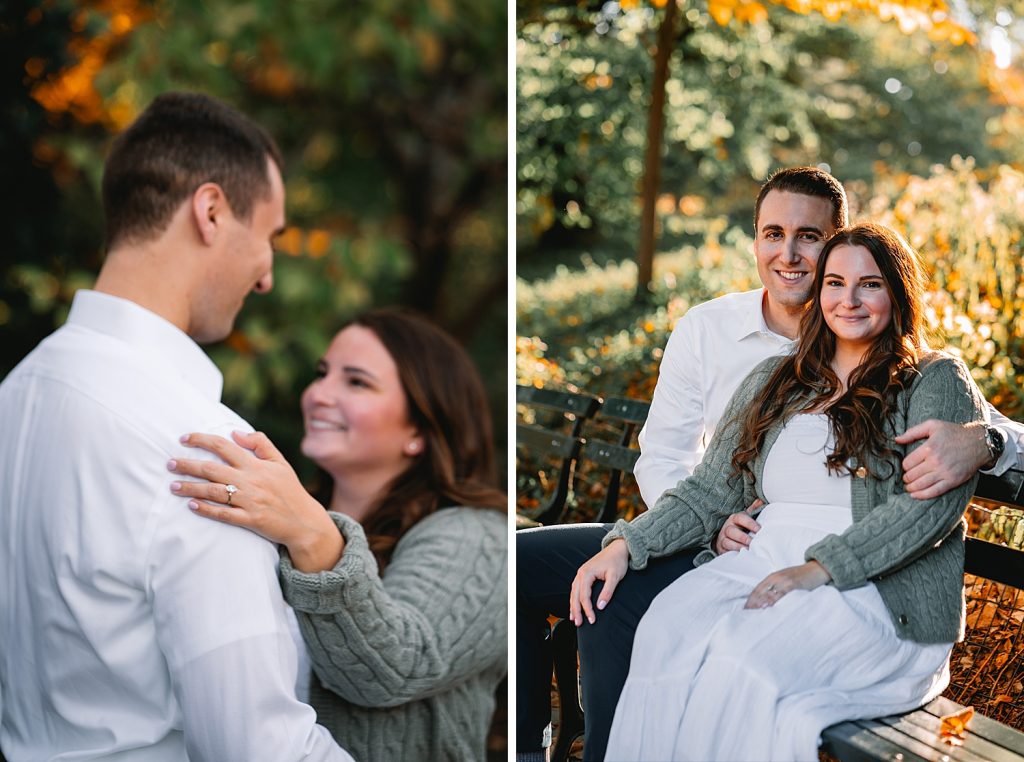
(721, 11)
(953, 727)
(752, 13)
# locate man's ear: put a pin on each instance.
(209, 210)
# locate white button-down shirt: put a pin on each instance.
(711, 350)
(129, 626)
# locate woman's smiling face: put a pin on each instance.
(855, 300)
(355, 412)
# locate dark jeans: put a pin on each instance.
(547, 560)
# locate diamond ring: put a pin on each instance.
(232, 489)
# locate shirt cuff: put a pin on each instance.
(324, 592)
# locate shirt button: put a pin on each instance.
(903, 619)
(861, 472)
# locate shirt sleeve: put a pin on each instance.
(902, 529)
(1013, 434)
(220, 622)
(672, 437)
(691, 513)
(437, 616)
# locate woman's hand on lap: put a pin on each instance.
(610, 565)
(769, 591)
(270, 500)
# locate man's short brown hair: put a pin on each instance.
(807, 181)
(179, 142)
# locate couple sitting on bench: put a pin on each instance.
(843, 599)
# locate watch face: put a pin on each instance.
(994, 439)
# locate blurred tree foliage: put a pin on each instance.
(932, 16)
(742, 100)
(391, 117)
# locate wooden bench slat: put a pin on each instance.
(545, 440)
(851, 742)
(610, 455)
(625, 409)
(998, 563)
(925, 727)
(1008, 488)
(583, 405)
(980, 725)
(933, 752)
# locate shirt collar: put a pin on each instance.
(751, 320)
(163, 344)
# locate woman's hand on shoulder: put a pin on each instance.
(769, 591)
(255, 488)
(610, 565)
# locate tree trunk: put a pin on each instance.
(652, 156)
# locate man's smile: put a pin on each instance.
(790, 275)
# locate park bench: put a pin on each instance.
(909, 737)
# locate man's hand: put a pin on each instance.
(610, 565)
(737, 529)
(770, 590)
(952, 453)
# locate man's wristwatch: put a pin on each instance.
(996, 443)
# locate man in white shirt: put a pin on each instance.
(132, 628)
(709, 353)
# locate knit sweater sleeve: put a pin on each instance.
(436, 616)
(691, 513)
(902, 529)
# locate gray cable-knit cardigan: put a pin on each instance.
(409, 662)
(913, 550)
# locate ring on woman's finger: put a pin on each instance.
(770, 588)
(231, 490)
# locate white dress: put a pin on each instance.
(710, 680)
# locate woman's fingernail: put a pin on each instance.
(183, 438)
(601, 605)
(193, 505)
(171, 465)
(175, 486)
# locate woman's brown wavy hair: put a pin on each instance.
(805, 381)
(448, 406)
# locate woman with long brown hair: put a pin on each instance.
(848, 599)
(400, 589)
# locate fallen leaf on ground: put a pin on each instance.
(953, 727)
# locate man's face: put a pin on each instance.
(245, 264)
(791, 230)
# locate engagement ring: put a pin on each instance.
(232, 489)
